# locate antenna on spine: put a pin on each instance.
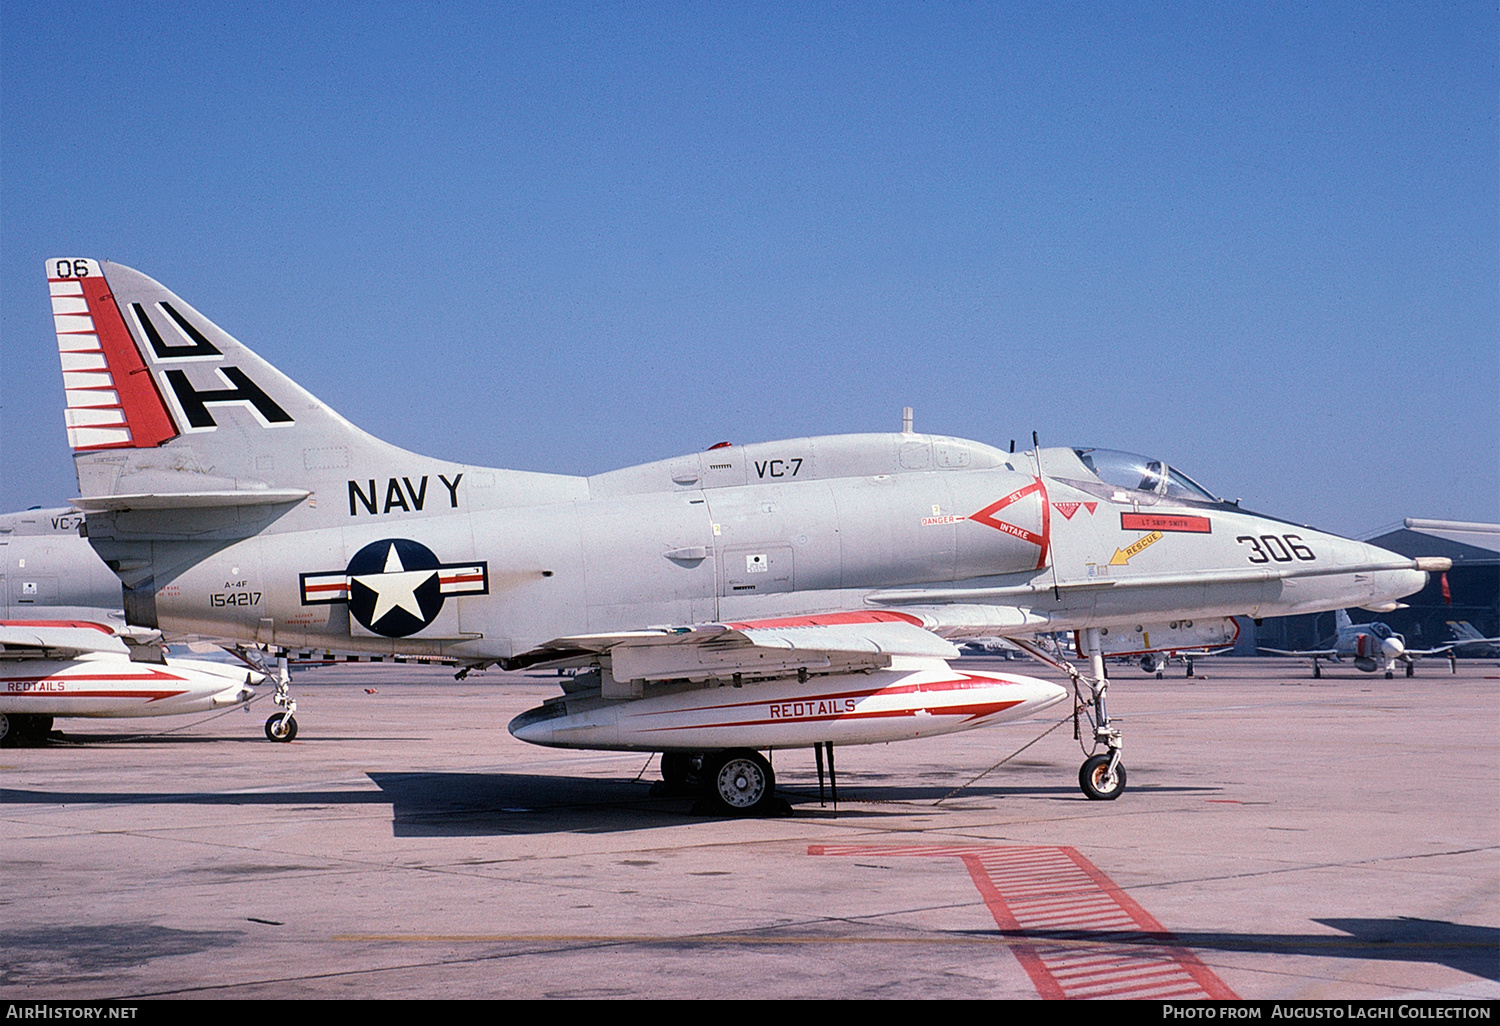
(1036, 455)
(906, 420)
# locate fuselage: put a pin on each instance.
(1372, 646)
(49, 572)
(433, 558)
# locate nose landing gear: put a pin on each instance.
(1102, 775)
(283, 725)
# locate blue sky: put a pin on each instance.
(1260, 241)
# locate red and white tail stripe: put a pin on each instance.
(112, 400)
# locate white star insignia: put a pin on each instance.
(395, 587)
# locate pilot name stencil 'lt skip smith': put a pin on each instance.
(786, 594)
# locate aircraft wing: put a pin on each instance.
(1441, 649)
(57, 639)
(1322, 653)
(848, 641)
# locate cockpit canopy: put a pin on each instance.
(1147, 480)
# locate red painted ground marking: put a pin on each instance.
(1083, 936)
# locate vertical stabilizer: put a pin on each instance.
(166, 410)
(162, 400)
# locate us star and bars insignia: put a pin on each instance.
(395, 587)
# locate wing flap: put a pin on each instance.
(57, 639)
(846, 640)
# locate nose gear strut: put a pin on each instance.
(1102, 775)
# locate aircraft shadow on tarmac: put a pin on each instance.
(425, 804)
(1469, 949)
(449, 804)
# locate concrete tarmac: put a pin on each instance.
(1280, 837)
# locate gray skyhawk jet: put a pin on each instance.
(65, 649)
(800, 593)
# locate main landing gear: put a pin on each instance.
(283, 725)
(737, 782)
(18, 729)
(742, 782)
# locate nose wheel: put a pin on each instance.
(1100, 781)
(281, 727)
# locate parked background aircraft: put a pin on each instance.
(65, 649)
(795, 593)
(1473, 643)
(1371, 647)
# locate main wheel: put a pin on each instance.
(21, 729)
(35, 728)
(1093, 778)
(281, 727)
(682, 771)
(742, 782)
(1411, 669)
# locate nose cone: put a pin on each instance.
(1040, 695)
(536, 726)
(1392, 648)
(1397, 576)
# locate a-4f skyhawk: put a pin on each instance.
(65, 649)
(784, 594)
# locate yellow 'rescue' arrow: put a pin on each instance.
(1122, 556)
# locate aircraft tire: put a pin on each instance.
(281, 727)
(1091, 779)
(1411, 670)
(682, 771)
(21, 729)
(35, 727)
(741, 783)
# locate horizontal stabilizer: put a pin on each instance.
(190, 500)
